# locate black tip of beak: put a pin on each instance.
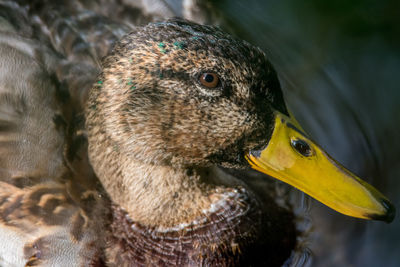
(390, 211)
(388, 217)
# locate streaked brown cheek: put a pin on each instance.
(199, 133)
(190, 136)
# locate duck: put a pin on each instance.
(140, 179)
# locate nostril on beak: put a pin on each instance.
(302, 147)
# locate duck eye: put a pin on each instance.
(209, 79)
(301, 147)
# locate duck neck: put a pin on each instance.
(161, 195)
(217, 239)
(163, 216)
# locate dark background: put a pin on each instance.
(339, 65)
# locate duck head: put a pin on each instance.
(174, 97)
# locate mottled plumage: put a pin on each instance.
(155, 137)
(43, 210)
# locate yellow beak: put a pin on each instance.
(293, 158)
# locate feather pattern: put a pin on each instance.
(55, 211)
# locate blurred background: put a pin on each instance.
(339, 65)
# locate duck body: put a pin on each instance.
(43, 219)
(24, 177)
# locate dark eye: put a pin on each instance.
(209, 79)
(302, 147)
